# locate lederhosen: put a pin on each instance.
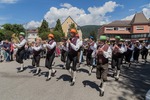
(36, 58)
(63, 54)
(102, 64)
(20, 54)
(136, 53)
(72, 55)
(144, 53)
(89, 59)
(128, 54)
(116, 58)
(50, 55)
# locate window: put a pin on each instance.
(121, 28)
(139, 27)
(109, 28)
(115, 28)
(128, 29)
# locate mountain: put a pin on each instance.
(87, 29)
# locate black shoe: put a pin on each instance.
(101, 93)
(89, 74)
(71, 80)
(20, 70)
(39, 71)
(48, 79)
(72, 84)
(100, 85)
(53, 74)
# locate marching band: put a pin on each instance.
(97, 55)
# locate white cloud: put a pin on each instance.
(8, 1)
(146, 6)
(94, 16)
(66, 5)
(131, 9)
(145, 9)
(128, 17)
(32, 25)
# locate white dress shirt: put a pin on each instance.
(21, 44)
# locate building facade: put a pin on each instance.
(32, 35)
(66, 25)
(137, 28)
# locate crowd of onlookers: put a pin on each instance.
(8, 51)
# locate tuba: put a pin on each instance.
(15, 39)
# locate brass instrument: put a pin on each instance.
(15, 39)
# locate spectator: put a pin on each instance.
(6, 47)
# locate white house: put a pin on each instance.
(32, 35)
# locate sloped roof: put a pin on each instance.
(71, 19)
(119, 23)
(139, 18)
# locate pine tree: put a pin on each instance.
(58, 26)
(44, 27)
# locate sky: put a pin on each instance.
(30, 13)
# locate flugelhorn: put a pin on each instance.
(15, 39)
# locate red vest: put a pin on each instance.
(73, 41)
(51, 51)
(116, 53)
(100, 58)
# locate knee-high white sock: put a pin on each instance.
(70, 72)
(103, 85)
(118, 73)
(74, 76)
(37, 70)
(53, 70)
(49, 73)
(90, 69)
(21, 68)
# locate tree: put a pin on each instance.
(44, 35)
(5, 34)
(15, 28)
(58, 26)
(72, 26)
(43, 30)
(93, 34)
(44, 27)
(2, 36)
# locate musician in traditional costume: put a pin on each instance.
(90, 56)
(117, 51)
(37, 48)
(137, 48)
(73, 46)
(129, 52)
(103, 53)
(80, 52)
(144, 51)
(21, 50)
(64, 52)
(51, 46)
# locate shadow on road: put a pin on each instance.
(136, 79)
(83, 70)
(91, 84)
(64, 77)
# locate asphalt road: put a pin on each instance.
(133, 84)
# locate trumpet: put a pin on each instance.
(15, 39)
